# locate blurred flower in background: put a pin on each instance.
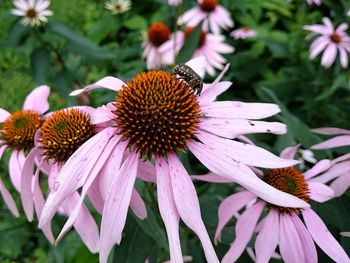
(214, 15)
(174, 2)
(242, 33)
(118, 6)
(310, 2)
(330, 41)
(17, 134)
(34, 12)
(158, 33)
(210, 46)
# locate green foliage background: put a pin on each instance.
(87, 43)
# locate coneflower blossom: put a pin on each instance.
(61, 134)
(339, 173)
(158, 33)
(243, 33)
(281, 226)
(17, 134)
(155, 116)
(310, 2)
(210, 46)
(214, 15)
(118, 6)
(34, 12)
(330, 41)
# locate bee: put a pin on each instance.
(190, 76)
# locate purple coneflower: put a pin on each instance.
(158, 33)
(310, 2)
(156, 116)
(281, 226)
(214, 15)
(243, 33)
(34, 12)
(330, 41)
(210, 46)
(339, 173)
(17, 134)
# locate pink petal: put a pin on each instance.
(331, 131)
(240, 110)
(231, 128)
(329, 55)
(290, 245)
(229, 206)
(212, 178)
(84, 224)
(37, 99)
(343, 57)
(289, 153)
(308, 245)
(318, 168)
(116, 206)
(224, 166)
(187, 205)
(328, 24)
(26, 183)
(15, 170)
(103, 114)
(95, 196)
(197, 64)
(338, 141)
(337, 170)
(345, 234)
(146, 172)
(210, 92)
(268, 237)
(322, 237)
(137, 205)
(244, 230)
(318, 46)
(320, 192)
(341, 184)
(167, 208)
(109, 82)
(4, 114)
(340, 159)
(75, 172)
(245, 153)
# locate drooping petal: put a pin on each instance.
(341, 184)
(245, 153)
(289, 152)
(308, 245)
(240, 110)
(168, 209)
(244, 230)
(109, 82)
(338, 141)
(116, 206)
(329, 55)
(224, 166)
(212, 178)
(74, 173)
(187, 205)
(228, 207)
(210, 92)
(4, 114)
(290, 245)
(37, 99)
(146, 172)
(137, 205)
(95, 196)
(318, 168)
(268, 237)
(337, 170)
(84, 224)
(331, 131)
(320, 192)
(15, 170)
(322, 237)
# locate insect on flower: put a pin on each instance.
(190, 76)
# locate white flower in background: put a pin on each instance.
(34, 12)
(348, 13)
(118, 6)
(174, 2)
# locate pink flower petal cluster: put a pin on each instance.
(214, 146)
(331, 41)
(339, 173)
(294, 237)
(243, 33)
(37, 102)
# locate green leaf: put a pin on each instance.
(40, 62)
(191, 44)
(64, 83)
(136, 23)
(102, 28)
(78, 43)
(16, 34)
